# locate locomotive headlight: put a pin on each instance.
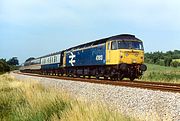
(121, 54)
(134, 61)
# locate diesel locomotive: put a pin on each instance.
(114, 58)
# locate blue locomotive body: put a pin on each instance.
(91, 56)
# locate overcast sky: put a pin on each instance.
(32, 28)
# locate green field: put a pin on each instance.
(178, 60)
(28, 100)
(162, 74)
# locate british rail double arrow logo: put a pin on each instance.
(71, 57)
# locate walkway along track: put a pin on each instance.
(168, 87)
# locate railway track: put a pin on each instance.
(168, 87)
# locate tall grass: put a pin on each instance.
(162, 74)
(30, 101)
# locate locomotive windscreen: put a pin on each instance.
(127, 45)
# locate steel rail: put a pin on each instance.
(167, 87)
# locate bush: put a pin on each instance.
(175, 64)
(167, 61)
(4, 67)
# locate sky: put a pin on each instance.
(33, 28)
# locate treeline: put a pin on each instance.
(11, 64)
(169, 58)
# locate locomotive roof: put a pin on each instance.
(123, 37)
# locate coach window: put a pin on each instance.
(48, 60)
(51, 59)
(54, 59)
(45, 61)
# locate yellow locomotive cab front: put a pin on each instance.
(131, 56)
(129, 52)
(126, 57)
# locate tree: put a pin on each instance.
(176, 54)
(1, 66)
(4, 67)
(13, 61)
(161, 58)
(167, 61)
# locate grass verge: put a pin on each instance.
(162, 74)
(28, 100)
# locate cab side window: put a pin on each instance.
(114, 45)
